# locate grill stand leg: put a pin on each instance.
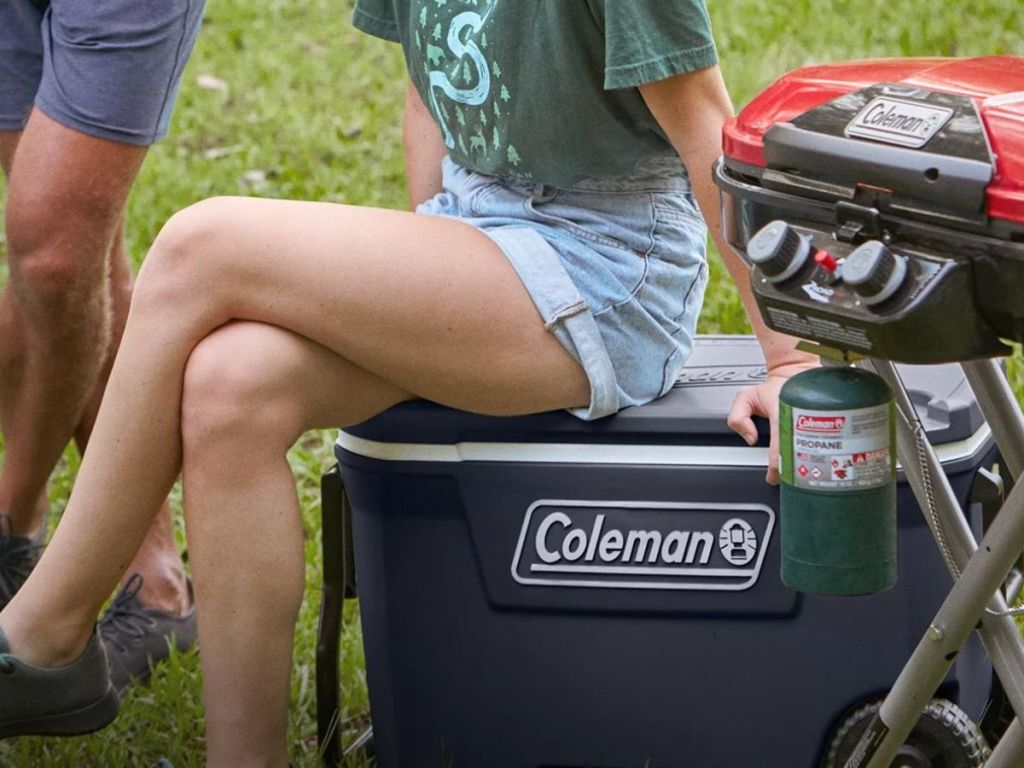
(1011, 748)
(1001, 411)
(983, 569)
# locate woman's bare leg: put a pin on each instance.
(256, 387)
(428, 305)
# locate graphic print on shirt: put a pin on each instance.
(465, 91)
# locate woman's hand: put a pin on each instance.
(763, 400)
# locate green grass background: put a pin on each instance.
(310, 110)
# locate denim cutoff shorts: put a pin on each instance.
(616, 268)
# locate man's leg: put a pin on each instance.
(10, 346)
(21, 69)
(65, 198)
(20, 552)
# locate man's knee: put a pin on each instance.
(229, 398)
(58, 251)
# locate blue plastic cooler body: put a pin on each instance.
(505, 625)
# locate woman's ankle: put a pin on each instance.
(42, 642)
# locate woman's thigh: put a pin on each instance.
(429, 305)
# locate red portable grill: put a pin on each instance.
(880, 205)
(916, 164)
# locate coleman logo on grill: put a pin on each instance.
(643, 545)
(905, 123)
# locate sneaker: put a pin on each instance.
(136, 637)
(66, 701)
(18, 556)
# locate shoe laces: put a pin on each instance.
(18, 555)
(126, 618)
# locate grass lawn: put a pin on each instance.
(284, 99)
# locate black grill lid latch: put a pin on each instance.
(857, 222)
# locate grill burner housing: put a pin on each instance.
(908, 173)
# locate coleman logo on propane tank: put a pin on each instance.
(893, 121)
(823, 424)
(643, 545)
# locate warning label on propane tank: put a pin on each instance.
(837, 450)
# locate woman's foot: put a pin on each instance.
(63, 701)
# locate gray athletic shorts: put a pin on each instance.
(108, 68)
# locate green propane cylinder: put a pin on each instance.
(837, 464)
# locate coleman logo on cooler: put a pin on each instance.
(823, 424)
(643, 545)
(893, 121)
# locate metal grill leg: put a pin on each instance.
(1001, 411)
(1008, 752)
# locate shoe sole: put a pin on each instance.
(77, 722)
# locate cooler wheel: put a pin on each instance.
(944, 737)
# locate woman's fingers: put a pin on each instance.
(760, 400)
(740, 419)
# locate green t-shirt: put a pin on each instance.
(545, 90)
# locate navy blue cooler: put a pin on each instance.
(541, 592)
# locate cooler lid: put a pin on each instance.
(692, 413)
(962, 119)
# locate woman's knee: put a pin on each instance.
(234, 397)
(187, 252)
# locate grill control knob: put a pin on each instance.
(874, 272)
(779, 251)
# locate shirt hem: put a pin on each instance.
(676, 63)
(371, 25)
